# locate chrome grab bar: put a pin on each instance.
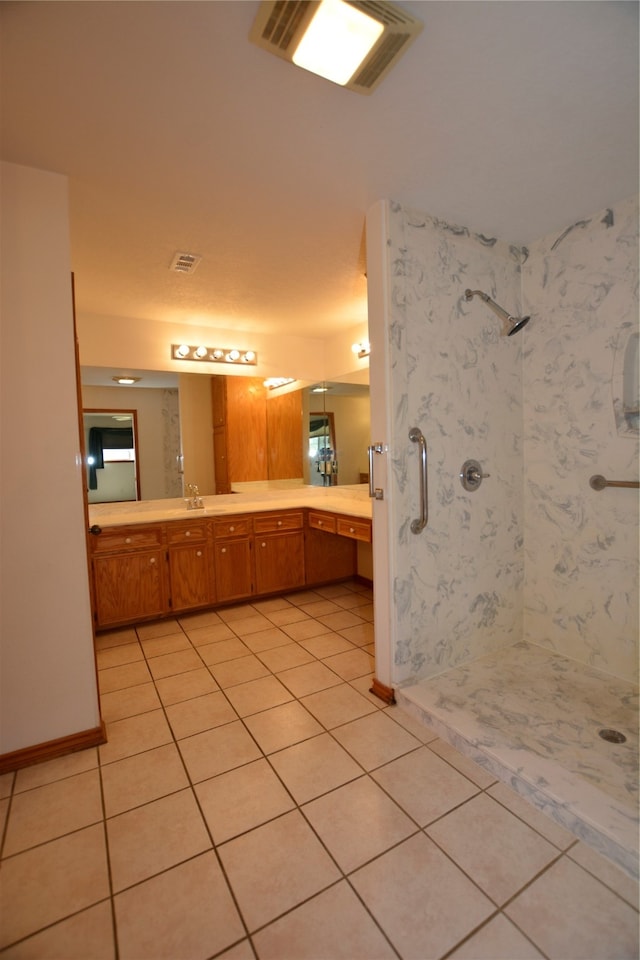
(416, 436)
(598, 482)
(374, 492)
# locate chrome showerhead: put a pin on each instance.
(510, 325)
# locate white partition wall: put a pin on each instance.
(48, 687)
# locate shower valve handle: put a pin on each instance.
(471, 475)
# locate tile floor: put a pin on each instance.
(254, 800)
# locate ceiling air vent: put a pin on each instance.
(280, 24)
(184, 263)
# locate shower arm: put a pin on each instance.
(497, 309)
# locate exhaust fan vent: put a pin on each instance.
(280, 24)
(184, 262)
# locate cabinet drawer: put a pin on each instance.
(322, 521)
(186, 532)
(278, 521)
(232, 527)
(122, 539)
(356, 529)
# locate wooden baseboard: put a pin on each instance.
(381, 690)
(365, 581)
(52, 749)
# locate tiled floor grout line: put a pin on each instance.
(366, 773)
(181, 625)
(297, 806)
(499, 908)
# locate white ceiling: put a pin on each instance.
(512, 118)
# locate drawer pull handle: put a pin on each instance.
(152, 560)
(279, 523)
(188, 533)
(320, 522)
(95, 530)
(199, 553)
(263, 544)
(224, 550)
(351, 530)
(231, 529)
(127, 539)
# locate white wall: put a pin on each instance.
(196, 420)
(581, 586)
(352, 426)
(47, 667)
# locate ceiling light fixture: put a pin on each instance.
(336, 41)
(362, 349)
(202, 354)
(126, 381)
(360, 44)
(272, 383)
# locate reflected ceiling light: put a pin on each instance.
(126, 381)
(272, 383)
(362, 349)
(202, 354)
(321, 388)
(354, 43)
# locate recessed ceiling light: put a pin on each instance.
(337, 41)
(126, 381)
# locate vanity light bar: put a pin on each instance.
(183, 351)
(272, 383)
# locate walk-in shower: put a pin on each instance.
(511, 324)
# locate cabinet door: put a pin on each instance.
(129, 587)
(233, 569)
(190, 577)
(279, 562)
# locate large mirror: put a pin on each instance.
(110, 443)
(174, 430)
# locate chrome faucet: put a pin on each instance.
(194, 500)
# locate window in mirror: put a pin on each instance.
(110, 438)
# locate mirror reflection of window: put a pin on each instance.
(110, 438)
(323, 466)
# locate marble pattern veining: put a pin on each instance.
(457, 587)
(532, 718)
(581, 546)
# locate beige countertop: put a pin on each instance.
(352, 501)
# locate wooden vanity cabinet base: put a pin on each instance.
(149, 571)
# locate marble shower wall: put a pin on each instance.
(457, 586)
(581, 546)
(535, 553)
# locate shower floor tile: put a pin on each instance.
(526, 702)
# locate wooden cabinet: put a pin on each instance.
(279, 551)
(147, 571)
(327, 556)
(254, 438)
(220, 461)
(233, 558)
(128, 574)
(191, 579)
(356, 529)
(240, 430)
